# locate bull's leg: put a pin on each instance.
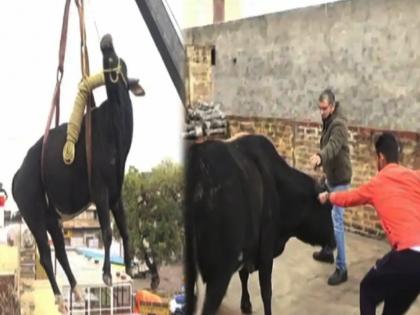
(30, 198)
(246, 306)
(265, 285)
(266, 267)
(215, 291)
(40, 234)
(33, 207)
(190, 270)
(102, 208)
(54, 229)
(121, 222)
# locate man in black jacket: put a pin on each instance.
(334, 157)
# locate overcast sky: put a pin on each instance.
(259, 7)
(200, 12)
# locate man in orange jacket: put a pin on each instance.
(395, 194)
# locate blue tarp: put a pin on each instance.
(99, 254)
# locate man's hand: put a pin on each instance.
(315, 160)
(324, 197)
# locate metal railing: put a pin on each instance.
(101, 299)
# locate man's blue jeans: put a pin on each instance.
(338, 222)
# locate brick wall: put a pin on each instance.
(297, 141)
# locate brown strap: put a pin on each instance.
(84, 57)
(55, 105)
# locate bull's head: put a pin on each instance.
(115, 69)
(317, 226)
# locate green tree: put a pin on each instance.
(153, 203)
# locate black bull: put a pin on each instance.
(65, 188)
(243, 202)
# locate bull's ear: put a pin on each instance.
(135, 87)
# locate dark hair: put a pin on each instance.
(387, 144)
(328, 95)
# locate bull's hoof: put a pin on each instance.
(62, 306)
(107, 279)
(246, 308)
(78, 295)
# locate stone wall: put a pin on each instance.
(276, 65)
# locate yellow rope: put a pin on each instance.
(73, 128)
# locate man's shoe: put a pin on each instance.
(324, 256)
(339, 276)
